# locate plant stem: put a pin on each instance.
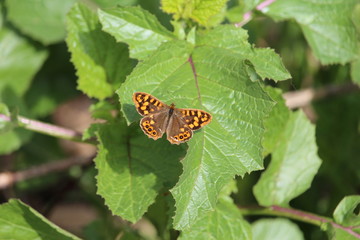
(247, 16)
(304, 97)
(297, 215)
(46, 128)
(9, 178)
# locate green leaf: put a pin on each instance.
(20, 60)
(12, 140)
(326, 24)
(268, 64)
(132, 169)
(201, 11)
(11, 137)
(101, 63)
(159, 214)
(4, 110)
(293, 166)
(19, 221)
(191, 36)
(114, 3)
(355, 71)
(235, 14)
(278, 228)
(336, 233)
(103, 110)
(235, 40)
(275, 123)
(53, 84)
(100, 229)
(46, 22)
(4, 113)
(231, 144)
(135, 27)
(225, 222)
(338, 138)
(356, 16)
(179, 29)
(344, 212)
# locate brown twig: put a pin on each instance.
(304, 97)
(9, 178)
(247, 16)
(297, 215)
(48, 129)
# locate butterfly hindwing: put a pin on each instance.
(178, 132)
(195, 118)
(146, 103)
(153, 125)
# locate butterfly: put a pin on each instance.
(178, 123)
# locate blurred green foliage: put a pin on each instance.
(317, 43)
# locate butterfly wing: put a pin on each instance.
(183, 122)
(177, 131)
(153, 125)
(194, 118)
(155, 114)
(146, 103)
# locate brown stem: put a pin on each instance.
(297, 215)
(9, 178)
(48, 129)
(247, 16)
(303, 97)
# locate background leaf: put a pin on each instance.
(275, 123)
(293, 165)
(326, 24)
(355, 71)
(200, 11)
(19, 221)
(230, 145)
(100, 70)
(338, 233)
(133, 169)
(53, 84)
(135, 27)
(20, 60)
(338, 139)
(46, 23)
(114, 3)
(344, 213)
(278, 228)
(13, 136)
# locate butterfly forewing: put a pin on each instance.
(146, 103)
(155, 112)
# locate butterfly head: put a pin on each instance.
(172, 107)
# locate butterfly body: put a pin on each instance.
(159, 118)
